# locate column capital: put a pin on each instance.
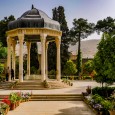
(9, 40)
(58, 40)
(43, 37)
(28, 44)
(21, 37)
(47, 43)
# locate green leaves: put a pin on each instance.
(70, 68)
(104, 60)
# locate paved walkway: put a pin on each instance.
(55, 107)
(52, 108)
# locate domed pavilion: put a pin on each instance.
(33, 26)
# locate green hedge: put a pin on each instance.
(103, 91)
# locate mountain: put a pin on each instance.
(88, 48)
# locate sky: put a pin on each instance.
(92, 10)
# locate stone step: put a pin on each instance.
(57, 97)
(53, 97)
(5, 85)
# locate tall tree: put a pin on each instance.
(3, 51)
(81, 29)
(104, 60)
(59, 15)
(106, 25)
(34, 56)
(4, 28)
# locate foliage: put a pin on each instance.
(106, 25)
(1, 68)
(68, 82)
(104, 60)
(3, 51)
(59, 15)
(107, 105)
(52, 72)
(70, 68)
(34, 56)
(12, 97)
(33, 70)
(46, 84)
(4, 28)
(103, 91)
(81, 29)
(97, 98)
(88, 66)
(79, 63)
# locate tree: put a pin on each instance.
(81, 29)
(69, 68)
(4, 28)
(104, 60)
(88, 66)
(3, 51)
(59, 15)
(34, 56)
(1, 68)
(106, 25)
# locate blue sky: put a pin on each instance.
(92, 10)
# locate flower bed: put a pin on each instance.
(101, 105)
(12, 101)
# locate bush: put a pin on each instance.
(52, 72)
(87, 77)
(103, 91)
(33, 70)
(97, 98)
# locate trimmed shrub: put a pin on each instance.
(103, 91)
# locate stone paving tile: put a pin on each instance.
(52, 108)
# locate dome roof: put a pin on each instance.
(34, 18)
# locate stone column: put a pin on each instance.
(58, 71)
(9, 56)
(21, 39)
(13, 56)
(28, 58)
(43, 41)
(46, 59)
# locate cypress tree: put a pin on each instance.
(59, 15)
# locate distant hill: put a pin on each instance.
(88, 48)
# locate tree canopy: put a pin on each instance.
(3, 51)
(81, 29)
(106, 25)
(4, 28)
(69, 68)
(59, 15)
(104, 60)
(88, 66)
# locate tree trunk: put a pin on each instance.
(78, 57)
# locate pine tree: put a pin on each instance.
(81, 29)
(34, 56)
(4, 28)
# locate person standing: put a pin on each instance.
(7, 73)
(12, 74)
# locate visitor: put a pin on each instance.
(7, 73)
(23, 73)
(12, 74)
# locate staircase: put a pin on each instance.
(29, 85)
(5, 85)
(57, 97)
